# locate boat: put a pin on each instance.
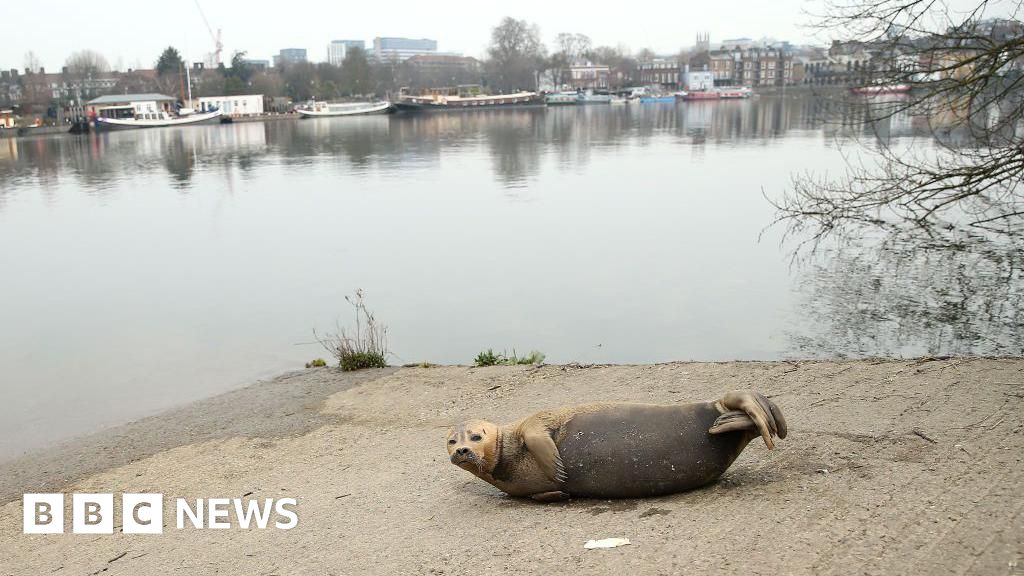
(561, 99)
(657, 99)
(159, 119)
(323, 109)
(881, 88)
(715, 94)
(698, 95)
(732, 93)
(591, 97)
(618, 100)
(463, 98)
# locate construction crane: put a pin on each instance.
(218, 46)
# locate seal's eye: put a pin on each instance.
(475, 438)
(452, 441)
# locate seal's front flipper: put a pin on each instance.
(555, 496)
(733, 421)
(539, 443)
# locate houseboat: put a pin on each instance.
(562, 99)
(467, 97)
(125, 111)
(322, 109)
(591, 97)
(715, 94)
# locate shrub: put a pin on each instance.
(318, 363)
(367, 347)
(489, 358)
(360, 360)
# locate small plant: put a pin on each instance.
(360, 360)
(366, 348)
(318, 363)
(489, 358)
(534, 357)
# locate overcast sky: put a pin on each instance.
(132, 34)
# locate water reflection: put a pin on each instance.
(515, 140)
(932, 296)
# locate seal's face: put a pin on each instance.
(473, 446)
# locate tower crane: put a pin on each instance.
(218, 46)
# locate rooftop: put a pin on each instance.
(118, 98)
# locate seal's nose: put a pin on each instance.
(462, 451)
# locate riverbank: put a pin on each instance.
(891, 467)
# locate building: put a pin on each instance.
(338, 49)
(249, 105)
(752, 67)
(129, 105)
(661, 71)
(257, 65)
(290, 56)
(401, 49)
(588, 76)
(699, 80)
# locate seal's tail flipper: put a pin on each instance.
(751, 411)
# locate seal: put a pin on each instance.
(615, 450)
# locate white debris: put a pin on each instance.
(606, 543)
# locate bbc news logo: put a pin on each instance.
(144, 513)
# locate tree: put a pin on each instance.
(86, 64)
(516, 54)
(82, 67)
(240, 68)
(170, 62)
(569, 48)
(965, 72)
(645, 55)
(32, 62)
(355, 73)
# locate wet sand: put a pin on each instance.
(891, 467)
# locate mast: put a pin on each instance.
(188, 75)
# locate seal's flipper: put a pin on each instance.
(539, 443)
(732, 421)
(764, 413)
(555, 496)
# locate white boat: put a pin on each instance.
(318, 109)
(561, 99)
(591, 97)
(156, 120)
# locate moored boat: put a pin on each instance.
(881, 88)
(715, 94)
(657, 99)
(591, 97)
(156, 120)
(739, 92)
(463, 98)
(324, 109)
(561, 99)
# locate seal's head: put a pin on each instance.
(474, 446)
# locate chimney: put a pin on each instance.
(42, 70)
(64, 70)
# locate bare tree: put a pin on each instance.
(515, 54)
(32, 62)
(965, 71)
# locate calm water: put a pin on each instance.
(146, 269)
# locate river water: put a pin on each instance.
(140, 270)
